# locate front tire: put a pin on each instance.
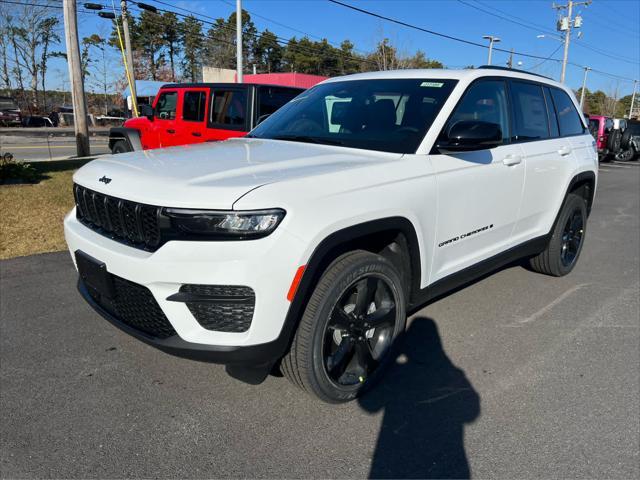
(346, 333)
(120, 146)
(564, 248)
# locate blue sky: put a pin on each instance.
(610, 26)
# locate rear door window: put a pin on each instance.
(194, 106)
(529, 112)
(229, 109)
(166, 106)
(568, 117)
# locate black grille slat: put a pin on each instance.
(149, 219)
(129, 220)
(136, 307)
(88, 204)
(114, 216)
(135, 224)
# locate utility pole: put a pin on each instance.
(584, 86)
(239, 41)
(633, 97)
(565, 24)
(492, 40)
(75, 75)
(510, 61)
(129, 55)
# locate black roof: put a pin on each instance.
(224, 84)
(494, 67)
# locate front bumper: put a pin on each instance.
(262, 354)
(266, 265)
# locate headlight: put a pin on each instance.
(229, 224)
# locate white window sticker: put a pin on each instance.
(432, 84)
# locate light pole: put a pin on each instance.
(633, 97)
(584, 86)
(492, 40)
(239, 41)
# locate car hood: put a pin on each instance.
(216, 175)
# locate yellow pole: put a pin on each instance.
(130, 80)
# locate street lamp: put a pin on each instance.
(584, 86)
(492, 40)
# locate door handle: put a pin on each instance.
(196, 134)
(564, 151)
(170, 130)
(511, 160)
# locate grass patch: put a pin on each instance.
(31, 215)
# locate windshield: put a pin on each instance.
(594, 125)
(634, 128)
(384, 115)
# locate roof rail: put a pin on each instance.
(494, 67)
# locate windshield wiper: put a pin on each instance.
(307, 139)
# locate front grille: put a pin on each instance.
(133, 223)
(226, 308)
(135, 306)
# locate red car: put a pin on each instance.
(199, 112)
(601, 128)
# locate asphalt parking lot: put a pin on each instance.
(517, 376)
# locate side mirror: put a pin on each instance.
(469, 135)
(146, 111)
(262, 118)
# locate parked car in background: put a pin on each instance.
(199, 112)
(630, 142)
(601, 128)
(37, 121)
(9, 112)
(306, 244)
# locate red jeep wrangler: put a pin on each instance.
(199, 112)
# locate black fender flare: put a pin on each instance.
(587, 177)
(129, 135)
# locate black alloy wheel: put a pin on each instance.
(572, 235)
(360, 330)
(351, 322)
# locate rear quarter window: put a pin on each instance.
(569, 119)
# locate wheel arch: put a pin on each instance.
(129, 135)
(395, 238)
(583, 184)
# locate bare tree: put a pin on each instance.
(30, 30)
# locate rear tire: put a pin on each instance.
(613, 142)
(346, 333)
(120, 146)
(567, 239)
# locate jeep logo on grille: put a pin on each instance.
(105, 180)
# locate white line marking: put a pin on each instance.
(627, 164)
(613, 165)
(551, 305)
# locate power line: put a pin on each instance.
(451, 37)
(547, 59)
(534, 28)
(281, 42)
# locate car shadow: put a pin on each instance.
(427, 401)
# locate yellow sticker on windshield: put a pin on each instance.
(432, 84)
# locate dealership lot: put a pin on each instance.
(518, 375)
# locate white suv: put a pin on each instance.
(304, 245)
